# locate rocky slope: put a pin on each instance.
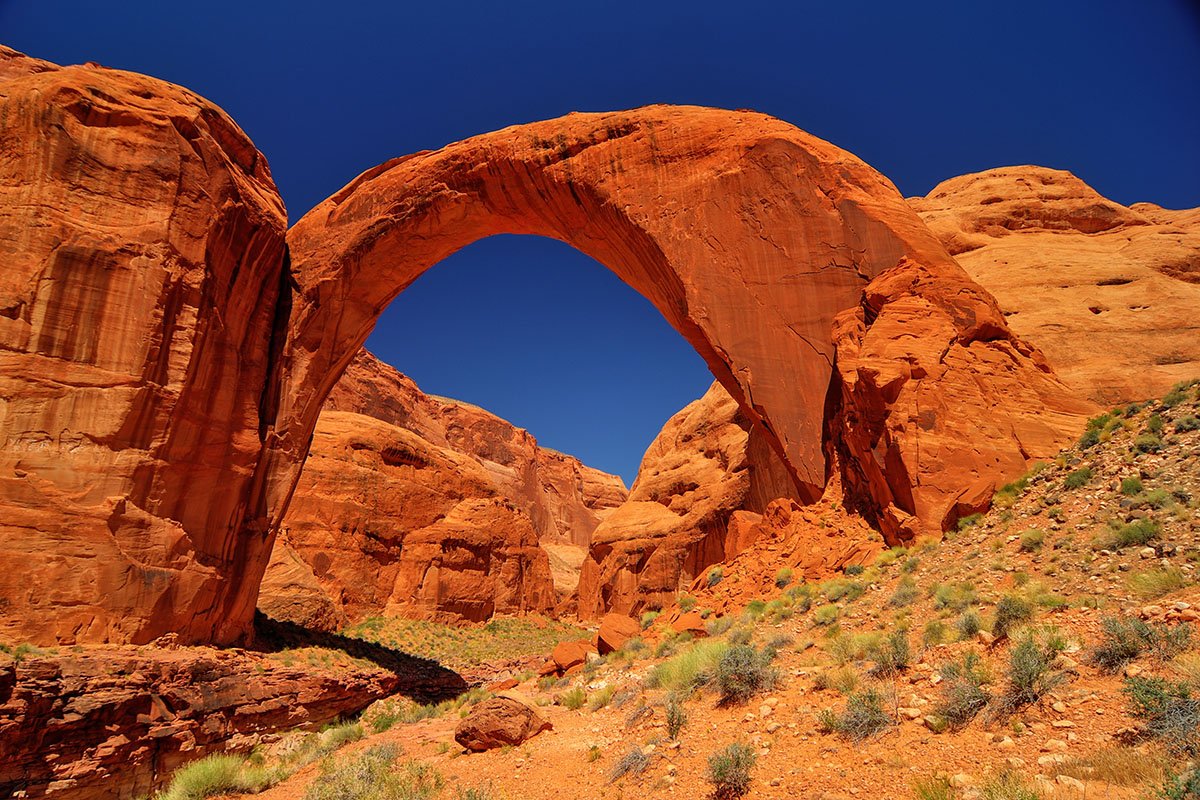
(425, 507)
(1108, 293)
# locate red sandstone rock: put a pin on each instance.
(388, 522)
(1106, 292)
(615, 631)
(498, 722)
(143, 242)
(567, 655)
(114, 722)
(691, 623)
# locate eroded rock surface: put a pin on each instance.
(1107, 292)
(504, 721)
(115, 721)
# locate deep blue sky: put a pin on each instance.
(539, 333)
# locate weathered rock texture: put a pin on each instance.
(143, 244)
(161, 391)
(1108, 293)
(504, 721)
(114, 722)
(416, 505)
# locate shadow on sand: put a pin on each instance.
(421, 679)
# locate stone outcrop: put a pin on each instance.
(166, 364)
(1108, 293)
(143, 248)
(114, 722)
(503, 721)
(696, 473)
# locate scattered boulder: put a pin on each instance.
(615, 631)
(568, 655)
(499, 721)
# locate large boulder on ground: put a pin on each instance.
(497, 722)
(568, 655)
(615, 631)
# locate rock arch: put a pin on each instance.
(146, 466)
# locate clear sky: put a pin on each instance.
(533, 330)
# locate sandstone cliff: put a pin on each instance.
(1108, 293)
(421, 506)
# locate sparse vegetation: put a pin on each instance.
(1124, 638)
(863, 717)
(375, 774)
(729, 771)
(962, 695)
(573, 699)
(1154, 583)
(501, 639)
(783, 577)
(1010, 611)
(1167, 711)
(1032, 540)
(906, 593)
(634, 762)
(676, 716)
(744, 672)
(1029, 675)
(690, 669)
(1078, 478)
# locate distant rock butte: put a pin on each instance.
(166, 364)
(425, 507)
(1108, 293)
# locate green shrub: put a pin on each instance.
(648, 618)
(1154, 423)
(601, 697)
(729, 771)
(1131, 486)
(1007, 785)
(755, 609)
(1123, 639)
(689, 669)
(1029, 675)
(574, 699)
(826, 614)
(1167, 710)
(686, 603)
(783, 577)
(1032, 540)
(1090, 438)
(1188, 423)
(372, 774)
(1148, 443)
(841, 589)
(891, 655)
(854, 569)
(1010, 610)
(969, 625)
(1153, 583)
(863, 717)
(744, 672)
(217, 775)
(969, 521)
(715, 575)
(1078, 478)
(936, 787)
(676, 716)
(935, 632)
(1176, 396)
(906, 593)
(1138, 533)
(961, 691)
(956, 596)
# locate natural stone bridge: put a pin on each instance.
(166, 350)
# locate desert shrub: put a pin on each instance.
(906, 593)
(633, 762)
(843, 679)
(779, 609)
(969, 521)
(854, 569)
(1118, 766)
(910, 565)
(1154, 423)
(686, 603)
(783, 577)
(217, 775)
(1148, 443)
(372, 774)
(1030, 675)
(648, 618)
(676, 716)
(801, 595)
(968, 625)
(1138, 533)
(934, 633)
(1188, 423)
(1010, 610)
(573, 699)
(691, 668)
(892, 655)
(744, 672)
(862, 718)
(601, 697)
(1032, 539)
(961, 692)
(729, 771)
(1078, 478)
(841, 589)
(718, 626)
(1131, 486)
(1174, 397)
(1007, 785)
(935, 787)
(826, 614)
(1123, 639)
(1167, 710)
(955, 596)
(1154, 583)
(715, 575)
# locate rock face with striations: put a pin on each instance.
(143, 246)
(1108, 293)
(165, 364)
(424, 507)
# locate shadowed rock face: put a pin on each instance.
(151, 349)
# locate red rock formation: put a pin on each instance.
(142, 243)
(114, 722)
(386, 521)
(615, 631)
(1108, 293)
(504, 721)
(161, 391)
